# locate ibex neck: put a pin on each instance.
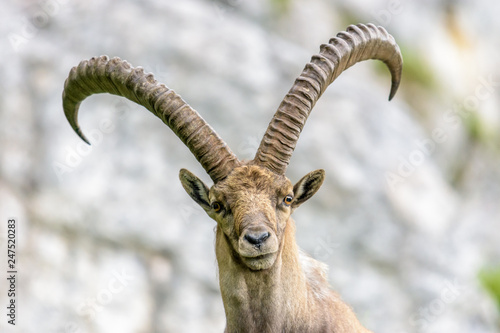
(262, 301)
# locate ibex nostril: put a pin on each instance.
(257, 238)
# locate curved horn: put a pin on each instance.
(115, 76)
(358, 43)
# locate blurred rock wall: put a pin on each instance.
(110, 242)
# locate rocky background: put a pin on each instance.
(408, 219)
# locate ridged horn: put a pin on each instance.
(357, 43)
(116, 76)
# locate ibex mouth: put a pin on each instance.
(263, 261)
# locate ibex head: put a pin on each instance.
(251, 201)
(251, 207)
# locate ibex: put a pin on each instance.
(267, 283)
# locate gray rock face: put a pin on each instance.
(109, 241)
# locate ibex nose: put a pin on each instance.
(257, 238)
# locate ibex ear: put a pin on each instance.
(307, 186)
(195, 188)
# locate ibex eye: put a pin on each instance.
(216, 207)
(288, 200)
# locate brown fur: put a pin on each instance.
(286, 291)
